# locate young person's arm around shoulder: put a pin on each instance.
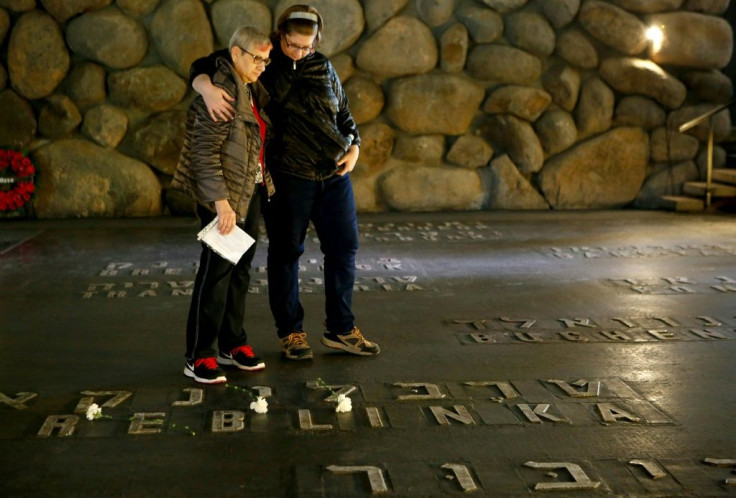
(218, 101)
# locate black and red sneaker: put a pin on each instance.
(242, 357)
(205, 370)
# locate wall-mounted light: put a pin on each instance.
(656, 36)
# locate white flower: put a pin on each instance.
(94, 411)
(260, 405)
(344, 404)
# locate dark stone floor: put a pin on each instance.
(584, 353)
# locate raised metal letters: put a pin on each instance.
(505, 388)
(374, 417)
(723, 462)
(19, 402)
(540, 410)
(461, 414)
(653, 468)
(228, 421)
(578, 322)
(462, 474)
(117, 398)
(345, 389)
(146, 423)
(593, 390)
(524, 323)
(612, 413)
(305, 422)
(581, 480)
(433, 392)
(64, 423)
(375, 475)
(196, 396)
(263, 391)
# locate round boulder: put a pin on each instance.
(83, 180)
(229, 15)
(633, 76)
(504, 6)
(378, 12)
(403, 46)
(108, 36)
(137, 8)
(510, 190)
(414, 103)
(4, 24)
(614, 26)
(17, 121)
(484, 25)
(670, 145)
(63, 10)
(556, 131)
(693, 40)
(639, 111)
(106, 125)
(58, 117)
(38, 59)
(560, 12)
(181, 33)
(576, 48)
(454, 48)
(522, 101)
(427, 149)
(530, 31)
(377, 141)
(503, 64)
(708, 6)
(709, 86)
(431, 188)
(85, 84)
(153, 88)
(470, 152)
(435, 12)
(649, 6)
(594, 112)
(365, 98)
(516, 137)
(605, 172)
(158, 140)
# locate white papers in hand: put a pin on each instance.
(231, 246)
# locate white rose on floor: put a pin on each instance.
(344, 404)
(94, 411)
(260, 405)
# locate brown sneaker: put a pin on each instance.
(352, 342)
(295, 346)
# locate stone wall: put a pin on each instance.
(462, 104)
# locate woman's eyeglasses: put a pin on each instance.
(300, 48)
(257, 59)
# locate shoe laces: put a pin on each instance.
(356, 333)
(208, 363)
(245, 349)
(298, 339)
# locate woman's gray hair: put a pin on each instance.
(248, 37)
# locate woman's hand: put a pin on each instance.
(218, 101)
(346, 164)
(226, 217)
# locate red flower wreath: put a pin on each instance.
(16, 172)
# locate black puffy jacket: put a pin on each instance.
(309, 111)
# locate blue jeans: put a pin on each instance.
(330, 205)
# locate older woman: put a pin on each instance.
(315, 147)
(221, 166)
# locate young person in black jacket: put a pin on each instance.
(315, 146)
